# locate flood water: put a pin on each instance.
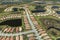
(12, 23)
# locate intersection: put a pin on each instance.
(36, 21)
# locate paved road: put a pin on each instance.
(48, 12)
(46, 2)
(20, 33)
(15, 34)
(32, 25)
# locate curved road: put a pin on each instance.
(32, 25)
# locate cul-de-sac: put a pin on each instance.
(29, 19)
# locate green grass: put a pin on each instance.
(2, 10)
(6, 14)
(43, 26)
(37, 18)
(31, 7)
(23, 25)
(25, 37)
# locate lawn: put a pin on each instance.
(44, 26)
(4, 14)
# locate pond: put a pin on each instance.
(10, 2)
(58, 12)
(12, 23)
(51, 23)
(37, 11)
(58, 39)
(55, 7)
(15, 9)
